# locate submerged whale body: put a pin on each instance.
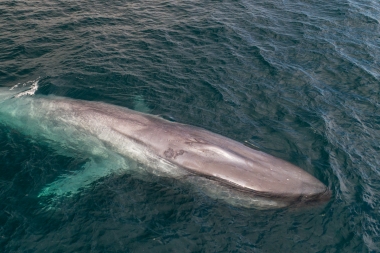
(112, 136)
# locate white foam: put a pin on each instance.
(30, 92)
(15, 86)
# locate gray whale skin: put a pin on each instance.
(222, 168)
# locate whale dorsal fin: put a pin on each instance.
(251, 145)
(167, 117)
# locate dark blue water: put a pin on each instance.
(298, 79)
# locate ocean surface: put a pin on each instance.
(298, 79)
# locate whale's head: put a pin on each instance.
(247, 172)
(216, 160)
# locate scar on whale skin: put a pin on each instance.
(170, 153)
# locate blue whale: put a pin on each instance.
(115, 138)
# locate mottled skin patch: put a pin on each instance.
(170, 153)
(181, 152)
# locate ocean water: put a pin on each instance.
(298, 79)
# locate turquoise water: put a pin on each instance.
(298, 79)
